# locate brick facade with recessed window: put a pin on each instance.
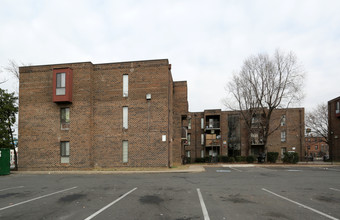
(83, 127)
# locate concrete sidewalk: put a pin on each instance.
(190, 169)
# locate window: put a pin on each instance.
(61, 83)
(189, 139)
(283, 136)
(125, 151)
(125, 117)
(316, 147)
(65, 151)
(189, 123)
(283, 120)
(187, 153)
(202, 153)
(202, 139)
(65, 118)
(337, 110)
(202, 123)
(125, 85)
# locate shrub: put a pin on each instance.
(231, 159)
(223, 159)
(290, 157)
(272, 157)
(187, 160)
(250, 159)
(207, 159)
(200, 160)
(240, 158)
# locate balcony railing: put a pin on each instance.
(212, 142)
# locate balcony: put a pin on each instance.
(212, 140)
(184, 133)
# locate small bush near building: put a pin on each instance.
(272, 157)
(240, 158)
(290, 157)
(250, 159)
(200, 160)
(187, 160)
(223, 159)
(231, 160)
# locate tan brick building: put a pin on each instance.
(84, 115)
(334, 128)
(216, 132)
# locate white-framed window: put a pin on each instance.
(61, 83)
(189, 123)
(189, 139)
(125, 117)
(283, 136)
(202, 123)
(125, 85)
(202, 153)
(283, 120)
(188, 153)
(65, 152)
(125, 151)
(337, 110)
(202, 139)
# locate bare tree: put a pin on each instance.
(264, 84)
(13, 68)
(317, 121)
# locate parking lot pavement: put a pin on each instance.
(219, 193)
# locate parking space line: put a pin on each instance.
(17, 187)
(40, 197)
(102, 209)
(235, 169)
(335, 189)
(304, 206)
(204, 208)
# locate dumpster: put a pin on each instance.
(5, 161)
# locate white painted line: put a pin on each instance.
(335, 189)
(204, 209)
(235, 169)
(304, 206)
(102, 209)
(223, 171)
(17, 187)
(294, 170)
(40, 197)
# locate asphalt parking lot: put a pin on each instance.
(219, 193)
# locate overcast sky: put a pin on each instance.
(205, 41)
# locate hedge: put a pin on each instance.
(290, 157)
(272, 156)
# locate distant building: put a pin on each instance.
(316, 147)
(216, 132)
(334, 128)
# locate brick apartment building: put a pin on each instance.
(84, 115)
(216, 132)
(334, 128)
(316, 147)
